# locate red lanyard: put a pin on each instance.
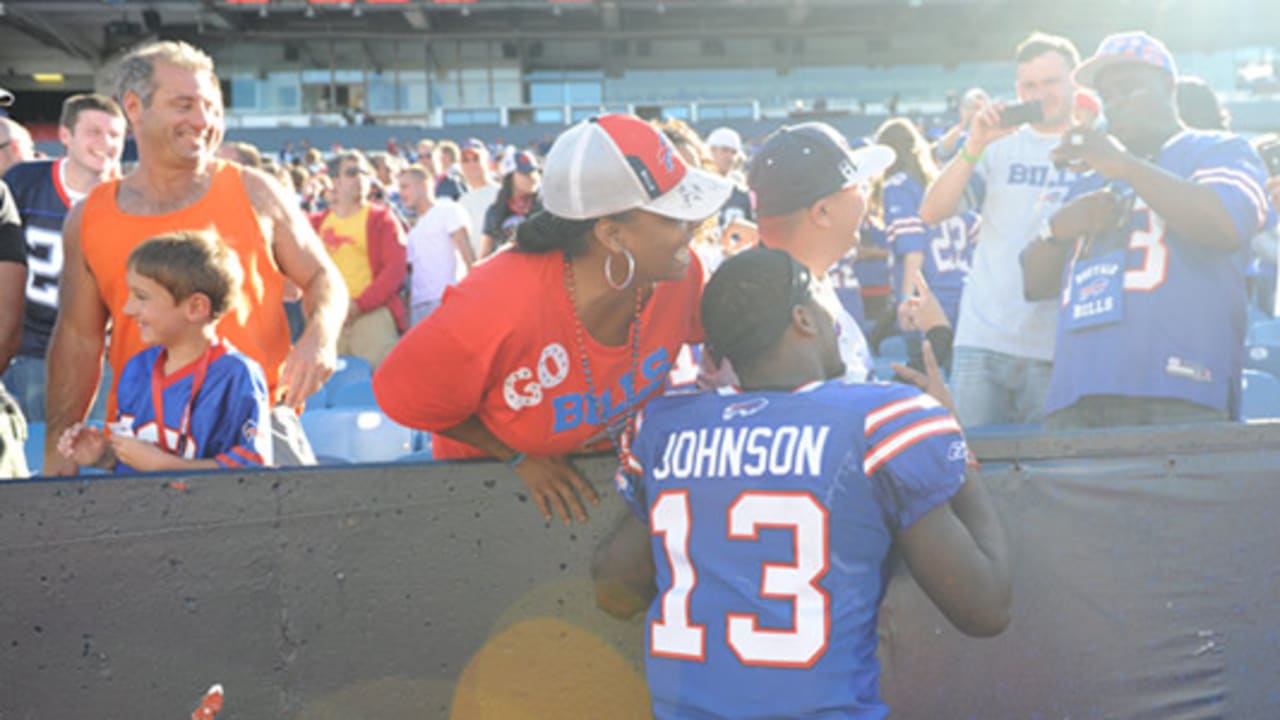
(157, 398)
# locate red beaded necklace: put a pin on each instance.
(623, 440)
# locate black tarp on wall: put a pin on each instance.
(1147, 585)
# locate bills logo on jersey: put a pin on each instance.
(249, 430)
(1093, 289)
(744, 409)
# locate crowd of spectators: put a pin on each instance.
(960, 220)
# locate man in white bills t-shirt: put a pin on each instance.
(1004, 344)
(439, 250)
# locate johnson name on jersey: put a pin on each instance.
(772, 514)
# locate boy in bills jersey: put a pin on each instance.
(1148, 258)
(771, 511)
(191, 401)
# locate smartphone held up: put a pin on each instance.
(1269, 149)
(1026, 113)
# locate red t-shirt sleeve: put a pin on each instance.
(698, 277)
(435, 377)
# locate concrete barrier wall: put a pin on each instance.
(1147, 586)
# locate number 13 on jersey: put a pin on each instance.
(675, 635)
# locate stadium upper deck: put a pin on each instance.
(444, 63)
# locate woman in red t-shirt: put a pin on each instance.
(551, 348)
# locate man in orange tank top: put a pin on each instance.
(171, 96)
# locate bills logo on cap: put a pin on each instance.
(849, 171)
(665, 156)
(648, 153)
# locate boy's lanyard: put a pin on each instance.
(157, 398)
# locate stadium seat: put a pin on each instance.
(356, 435)
(319, 399)
(357, 394)
(34, 447)
(331, 460)
(350, 364)
(1256, 315)
(350, 369)
(884, 367)
(1260, 397)
(1264, 358)
(422, 440)
(893, 347)
(415, 457)
(1264, 332)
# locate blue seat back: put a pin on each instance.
(356, 435)
(1264, 332)
(1260, 396)
(357, 394)
(34, 447)
(894, 347)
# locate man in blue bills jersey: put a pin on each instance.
(1148, 258)
(92, 127)
(943, 252)
(770, 513)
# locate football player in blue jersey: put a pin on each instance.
(191, 400)
(92, 127)
(942, 252)
(13, 268)
(1148, 258)
(771, 510)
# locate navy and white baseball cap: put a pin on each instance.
(6, 98)
(801, 164)
(1122, 48)
(522, 161)
(614, 163)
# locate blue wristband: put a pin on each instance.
(516, 459)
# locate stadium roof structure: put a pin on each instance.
(87, 32)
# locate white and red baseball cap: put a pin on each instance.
(614, 163)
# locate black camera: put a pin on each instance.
(1270, 151)
(1022, 114)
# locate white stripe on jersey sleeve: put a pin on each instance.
(885, 413)
(1238, 180)
(888, 448)
(904, 226)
